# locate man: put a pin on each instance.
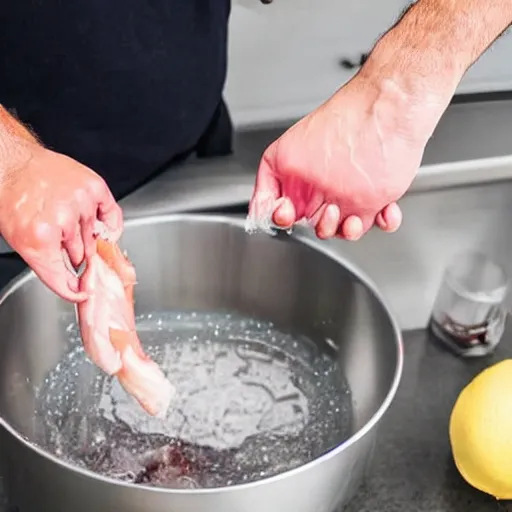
(126, 87)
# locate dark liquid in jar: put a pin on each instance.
(463, 336)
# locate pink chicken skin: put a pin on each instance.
(107, 326)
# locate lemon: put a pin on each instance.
(481, 431)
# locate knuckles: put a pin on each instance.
(96, 187)
(40, 233)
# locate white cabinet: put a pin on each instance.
(284, 58)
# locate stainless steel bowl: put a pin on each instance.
(206, 263)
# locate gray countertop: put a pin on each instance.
(413, 469)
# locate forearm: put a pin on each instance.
(416, 66)
(16, 143)
(436, 41)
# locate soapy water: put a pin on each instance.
(251, 402)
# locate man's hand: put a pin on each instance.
(345, 165)
(341, 166)
(49, 205)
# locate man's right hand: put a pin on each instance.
(49, 204)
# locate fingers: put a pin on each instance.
(53, 272)
(79, 242)
(329, 223)
(265, 206)
(76, 221)
(328, 219)
(41, 248)
(88, 236)
(73, 243)
(284, 215)
(267, 184)
(111, 215)
(352, 228)
(390, 218)
(72, 238)
(76, 240)
(107, 211)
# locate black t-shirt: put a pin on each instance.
(124, 86)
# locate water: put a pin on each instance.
(251, 402)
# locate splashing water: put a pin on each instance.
(259, 218)
(251, 402)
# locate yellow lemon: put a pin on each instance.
(481, 431)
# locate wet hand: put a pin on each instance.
(344, 166)
(49, 206)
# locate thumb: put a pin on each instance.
(267, 207)
(267, 185)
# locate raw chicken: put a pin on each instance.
(107, 326)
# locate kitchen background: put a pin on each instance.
(286, 58)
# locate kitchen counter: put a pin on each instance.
(413, 470)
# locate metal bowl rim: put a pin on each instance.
(237, 221)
